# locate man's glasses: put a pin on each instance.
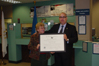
(62, 16)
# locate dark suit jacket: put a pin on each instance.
(71, 33)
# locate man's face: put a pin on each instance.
(62, 18)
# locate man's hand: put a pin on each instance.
(65, 37)
(38, 46)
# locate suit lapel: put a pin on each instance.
(57, 28)
(66, 28)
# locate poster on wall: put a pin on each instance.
(82, 20)
(66, 8)
(57, 9)
(69, 9)
(43, 11)
(82, 30)
(53, 10)
(47, 11)
(40, 11)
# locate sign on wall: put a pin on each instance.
(96, 48)
(82, 11)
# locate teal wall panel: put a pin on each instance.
(22, 41)
(12, 46)
(83, 58)
(19, 53)
(14, 51)
(18, 31)
(95, 59)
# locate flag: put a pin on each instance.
(34, 21)
(4, 39)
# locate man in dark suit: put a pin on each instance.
(70, 36)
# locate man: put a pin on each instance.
(70, 35)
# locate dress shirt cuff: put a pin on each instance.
(67, 41)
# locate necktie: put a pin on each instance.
(61, 29)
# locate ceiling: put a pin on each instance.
(23, 1)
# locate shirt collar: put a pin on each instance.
(63, 25)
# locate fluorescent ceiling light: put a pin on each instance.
(11, 1)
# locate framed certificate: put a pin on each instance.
(52, 43)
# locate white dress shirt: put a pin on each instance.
(60, 27)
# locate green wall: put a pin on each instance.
(86, 58)
(22, 11)
(83, 58)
